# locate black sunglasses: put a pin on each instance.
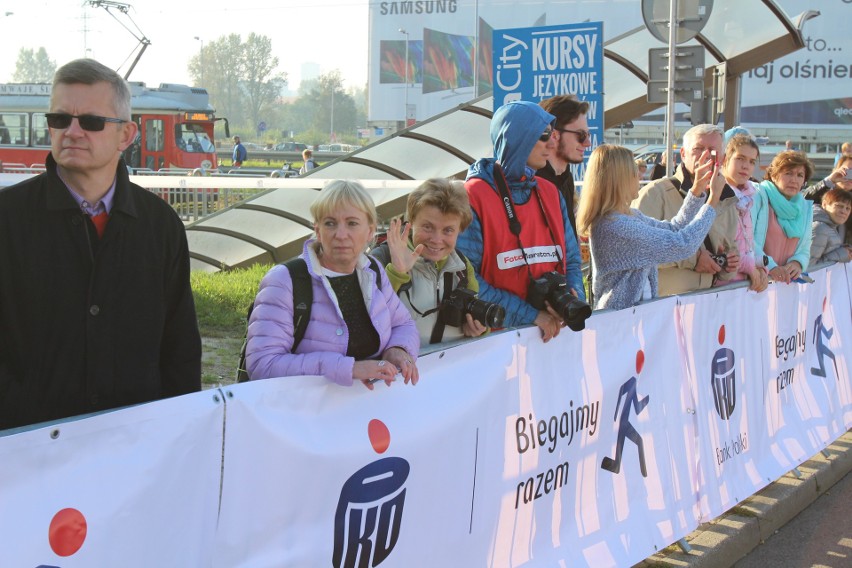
(90, 122)
(581, 134)
(546, 135)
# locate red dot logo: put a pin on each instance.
(721, 335)
(67, 532)
(379, 435)
(640, 361)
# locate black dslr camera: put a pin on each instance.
(463, 301)
(551, 287)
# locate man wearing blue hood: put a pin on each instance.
(506, 263)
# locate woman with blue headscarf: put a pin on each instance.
(525, 236)
(782, 217)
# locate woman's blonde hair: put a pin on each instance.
(609, 185)
(340, 193)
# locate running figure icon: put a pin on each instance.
(625, 428)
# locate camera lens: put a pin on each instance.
(573, 311)
(486, 313)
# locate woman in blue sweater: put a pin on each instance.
(626, 246)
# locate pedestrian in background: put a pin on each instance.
(309, 163)
(240, 153)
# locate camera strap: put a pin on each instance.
(514, 223)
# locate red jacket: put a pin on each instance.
(503, 263)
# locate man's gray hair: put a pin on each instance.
(700, 130)
(89, 72)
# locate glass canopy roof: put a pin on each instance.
(271, 227)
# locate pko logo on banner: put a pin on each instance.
(66, 533)
(723, 379)
(369, 511)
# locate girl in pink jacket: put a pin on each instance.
(741, 158)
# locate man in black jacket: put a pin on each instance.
(571, 133)
(96, 310)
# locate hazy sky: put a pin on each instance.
(331, 33)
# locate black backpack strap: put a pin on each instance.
(438, 329)
(303, 297)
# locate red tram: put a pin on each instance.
(175, 127)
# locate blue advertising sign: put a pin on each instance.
(533, 64)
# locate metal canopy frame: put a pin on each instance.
(272, 226)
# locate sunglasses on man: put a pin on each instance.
(88, 122)
(582, 135)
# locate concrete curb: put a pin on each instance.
(726, 539)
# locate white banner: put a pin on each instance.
(595, 449)
(137, 487)
(616, 431)
(320, 475)
(724, 337)
(503, 453)
(827, 405)
(762, 404)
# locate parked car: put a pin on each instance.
(291, 147)
(651, 155)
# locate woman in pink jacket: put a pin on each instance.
(358, 329)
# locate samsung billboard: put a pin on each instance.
(450, 54)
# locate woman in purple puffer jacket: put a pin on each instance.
(358, 331)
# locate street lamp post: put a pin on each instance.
(405, 109)
(201, 58)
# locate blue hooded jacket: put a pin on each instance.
(515, 129)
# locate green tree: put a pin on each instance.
(334, 108)
(34, 66)
(261, 85)
(240, 77)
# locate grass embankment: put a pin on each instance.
(221, 301)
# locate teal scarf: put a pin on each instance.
(789, 212)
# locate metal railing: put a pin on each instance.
(194, 203)
(194, 194)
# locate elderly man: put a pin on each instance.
(663, 198)
(96, 311)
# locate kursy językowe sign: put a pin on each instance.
(533, 64)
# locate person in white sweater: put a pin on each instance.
(626, 245)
